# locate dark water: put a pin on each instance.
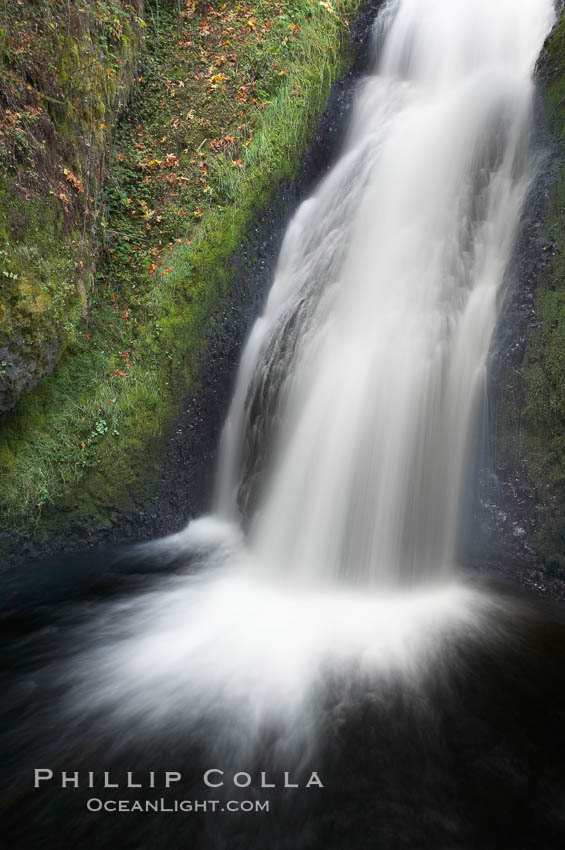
(474, 758)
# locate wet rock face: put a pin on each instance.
(36, 309)
(517, 510)
(52, 159)
(23, 364)
(17, 374)
(508, 503)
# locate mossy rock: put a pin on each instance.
(65, 73)
(530, 406)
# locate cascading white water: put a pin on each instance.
(346, 446)
(358, 393)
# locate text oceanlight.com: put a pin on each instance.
(95, 804)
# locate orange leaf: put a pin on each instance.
(75, 181)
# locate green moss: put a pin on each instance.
(53, 143)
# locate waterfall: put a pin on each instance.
(331, 554)
(347, 445)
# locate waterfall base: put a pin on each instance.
(433, 721)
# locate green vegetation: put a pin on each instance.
(229, 96)
(532, 405)
(65, 70)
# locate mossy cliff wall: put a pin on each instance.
(228, 99)
(65, 71)
(529, 399)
